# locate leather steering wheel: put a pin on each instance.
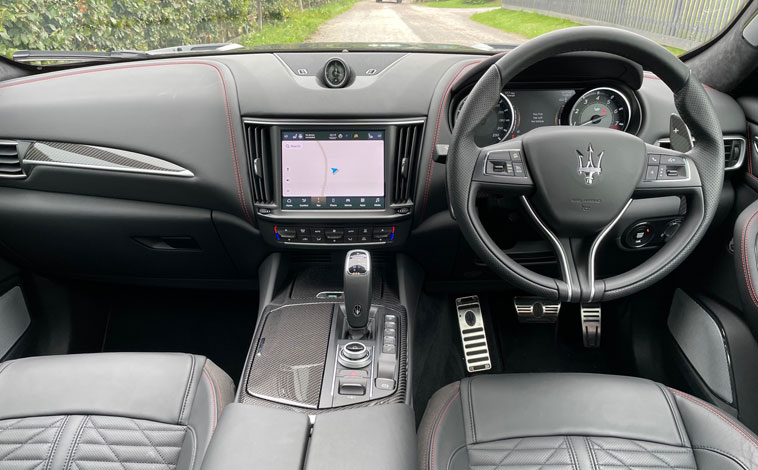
(574, 194)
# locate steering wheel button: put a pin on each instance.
(516, 155)
(518, 169)
(672, 160)
(499, 155)
(652, 173)
(653, 159)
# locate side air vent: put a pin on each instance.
(10, 163)
(258, 142)
(734, 150)
(407, 153)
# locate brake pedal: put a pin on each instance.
(591, 322)
(473, 335)
(536, 310)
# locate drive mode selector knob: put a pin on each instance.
(354, 355)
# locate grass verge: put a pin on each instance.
(531, 24)
(298, 27)
(461, 4)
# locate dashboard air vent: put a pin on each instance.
(258, 142)
(406, 161)
(10, 162)
(734, 150)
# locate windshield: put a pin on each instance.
(164, 26)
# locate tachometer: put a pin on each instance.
(496, 126)
(601, 107)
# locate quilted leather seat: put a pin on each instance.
(578, 422)
(129, 411)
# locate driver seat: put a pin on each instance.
(577, 422)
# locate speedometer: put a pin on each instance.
(496, 126)
(601, 107)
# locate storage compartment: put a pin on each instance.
(95, 237)
(370, 438)
(252, 437)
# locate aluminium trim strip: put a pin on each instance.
(563, 259)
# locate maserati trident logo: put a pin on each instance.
(591, 167)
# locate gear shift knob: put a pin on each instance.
(357, 290)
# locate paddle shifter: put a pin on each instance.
(357, 291)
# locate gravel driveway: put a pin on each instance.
(369, 21)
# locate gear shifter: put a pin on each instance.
(357, 291)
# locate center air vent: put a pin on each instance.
(734, 150)
(10, 163)
(258, 142)
(407, 153)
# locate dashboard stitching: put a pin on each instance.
(443, 105)
(233, 146)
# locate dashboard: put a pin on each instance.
(186, 170)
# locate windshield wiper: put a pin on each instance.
(75, 56)
(114, 56)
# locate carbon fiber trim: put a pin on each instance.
(398, 397)
(288, 366)
(99, 158)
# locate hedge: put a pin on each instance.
(105, 25)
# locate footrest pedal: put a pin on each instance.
(473, 335)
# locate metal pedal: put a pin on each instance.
(473, 335)
(591, 319)
(536, 310)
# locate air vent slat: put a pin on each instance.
(407, 153)
(10, 162)
(258, 143)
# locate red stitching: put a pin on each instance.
(745, 263)
(215, 402)
(719, 415)
(218, 388)
(230, 127)
(443, 105)
(437, 425)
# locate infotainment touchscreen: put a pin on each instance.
(332, 170)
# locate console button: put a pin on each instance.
(352, 387)
(640, 235)
(389, 348)
(286, 232)
(303, 232)
(389, 340)
(364, 231)
(333, 233)
(364, 238)
(385, 384)
(317, 232)
(390, 331)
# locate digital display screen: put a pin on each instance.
(332, 170)
(536, 108)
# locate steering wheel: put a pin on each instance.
(577, 182)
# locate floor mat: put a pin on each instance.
(218, 325)
(556, 347)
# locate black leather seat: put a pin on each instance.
(577, 422)
(128, 411)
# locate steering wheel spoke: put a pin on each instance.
(502, 168)
(667, 173)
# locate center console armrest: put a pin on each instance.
(370, 438)
(251, 437)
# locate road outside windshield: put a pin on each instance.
(145, 25)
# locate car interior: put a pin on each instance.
(445, 258)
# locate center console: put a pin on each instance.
(330, 337)
(318, 184)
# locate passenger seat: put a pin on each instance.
(115, 410)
